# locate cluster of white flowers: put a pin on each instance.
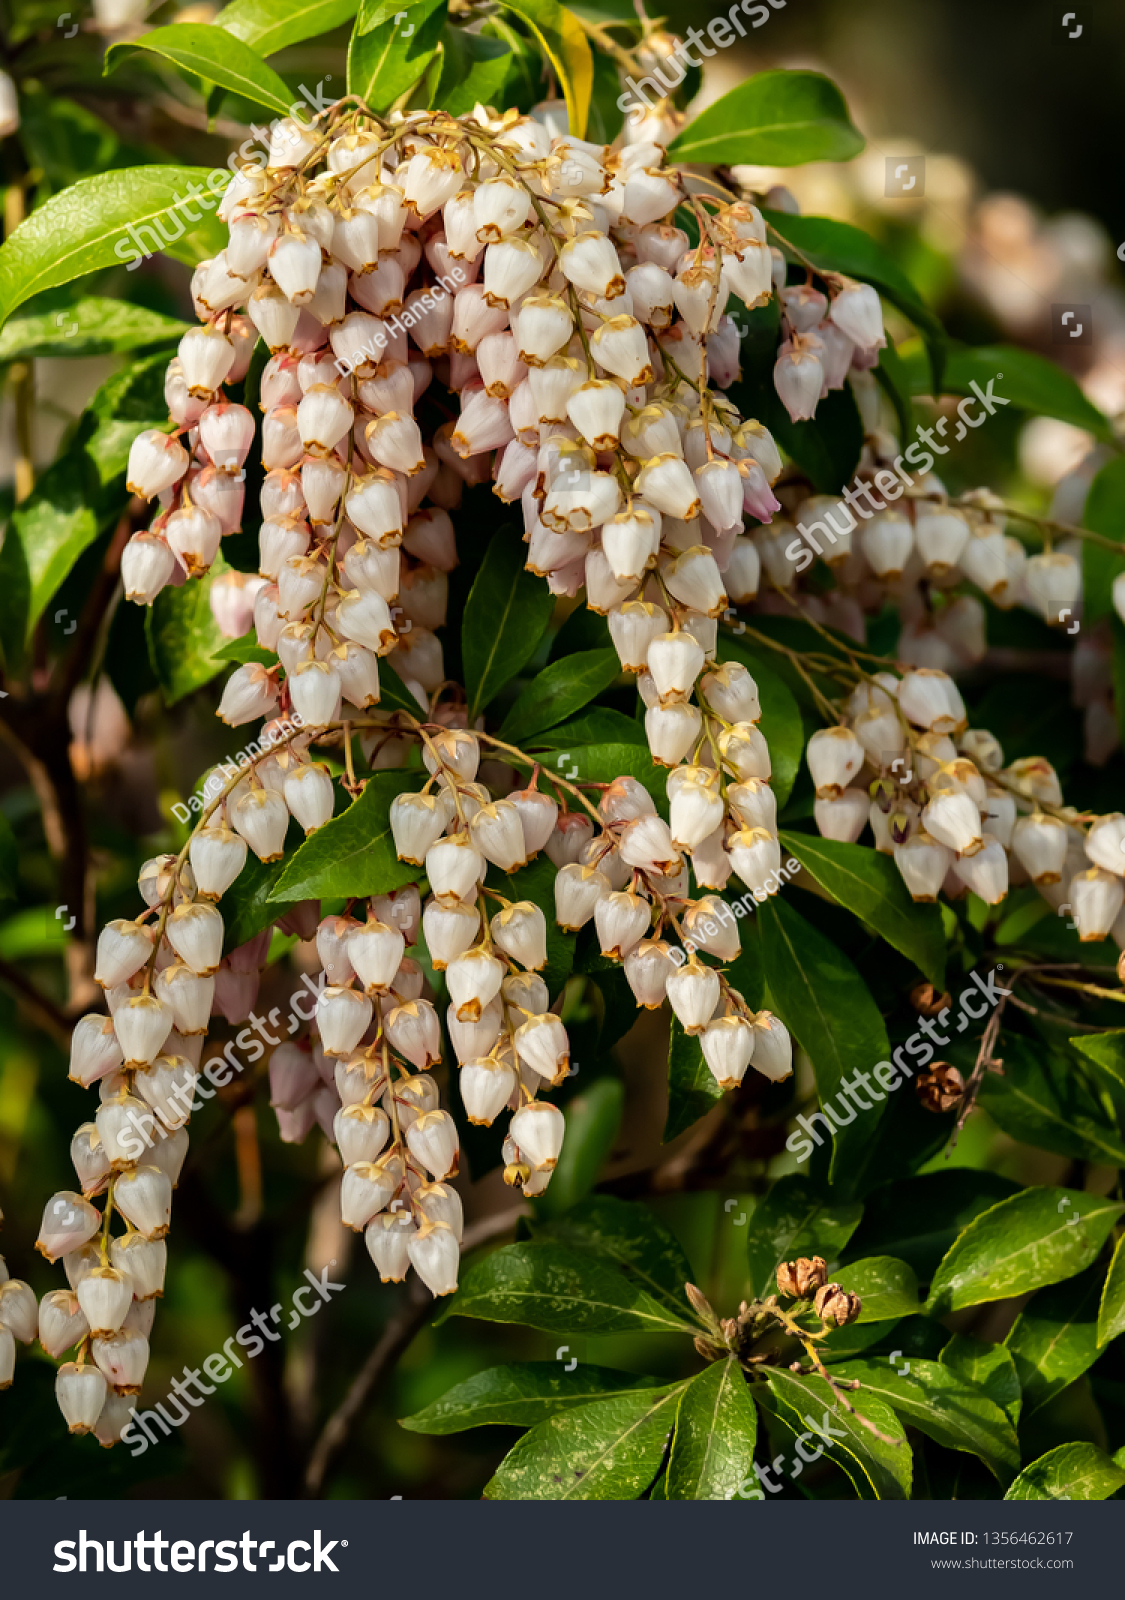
(939, 798)
(541, 281)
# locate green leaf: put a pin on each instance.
(384, 60)
(1055, 1337)
(1105, 1050)
(990, 1368)
(1022, 1244)
(1069, 1472)
(521, 1396)
(183, 635)
(474, 69)
(870, 885)
(943, 1406)
(601, 763)
(781, 716)
(716, 1429)
(599, 725)
(828, 1008)
(628, 1234)
(893, 377)
(214, 55)
(558, 691)
(1111, 1312)
(545, 1285)
(918, 1219)
(560, 34)
(506, 615)
(593, 1119)
(1021, 378)
(834, 246)
(393, 693)
(797, 1218)
(773, 119)
(80, 495)
(1104, 514)
(107, 220)
(247, 904)
(244, 650)
(609, 1450)
(1042, 1101)
(90, 327)
(877, 1470)
(887, 1288)
(692, 1088)
(271, 25)
(354, 854)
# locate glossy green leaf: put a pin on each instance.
(183, 635)
(1104, 514)
(474, 69)
(521, 1396)
(560, 34)
(244, 650)
(599, 725)
(547, 1285)
(1037, 1237)
(692, 1088)
(393, 693)
(601, 763)
(1040, 1100)
(871, 886)
(918, 1218)
(214, 55)
(1020, 378)
(798, 1217)
(561, 689)
(354, 854)
(609, 1450)
(716, 1428)
(834, 246)
(828, 1008)
(90, 327)
(108, 220)
(593, 1118)
(271, 25)
(384, 59)
(247, 904)
(1111, 1312)
(887, 1288)
(990, 1368)
(942, 1405)
(1055, 1337)
(506, 615)
(1105, 1050)
(773, 119)
(633, 1238)
(781, 716)
(1069, 1472)
(81, 495)
(877, 1470)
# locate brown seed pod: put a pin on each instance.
(940, 1089)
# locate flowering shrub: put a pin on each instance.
(591, 616)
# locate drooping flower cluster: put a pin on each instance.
(447, 303)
